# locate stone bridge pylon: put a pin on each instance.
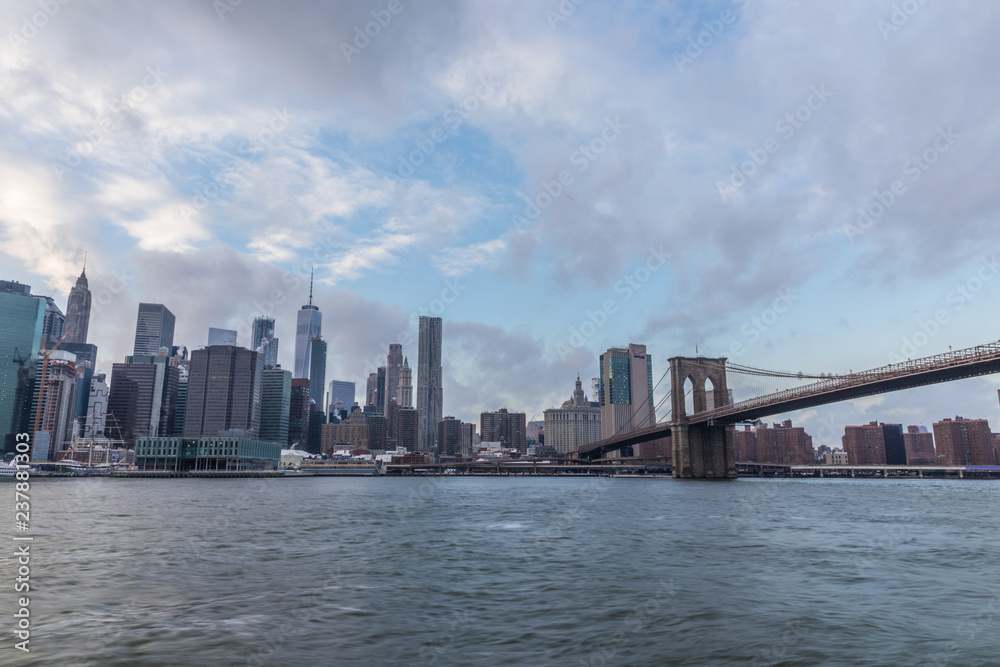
(704, 450)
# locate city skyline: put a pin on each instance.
(787, 263)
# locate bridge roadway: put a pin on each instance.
(960, 364)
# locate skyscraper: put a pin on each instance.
(626, 391)
(449, 436)
(342, 392)
(78, 310)
(510, 428)
(575, 424)
(86, 361)
(404, 394)
(143, 398)
(154, 328)
(380, 392)
(54, 401)
(22, 319)
(97, 407)
(275, 405)
(52, 329)
(298, 413)
(224, 392)
(407, 429)
(430, 403)
(309, 326)
(317, 372)
(263, 340)
(371, 389)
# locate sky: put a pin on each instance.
(795, 186)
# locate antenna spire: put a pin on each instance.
(311, 270)
(84, 262)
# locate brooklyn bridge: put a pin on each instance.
(702, 441)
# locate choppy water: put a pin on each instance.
(531, 571)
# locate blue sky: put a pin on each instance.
(210, 156)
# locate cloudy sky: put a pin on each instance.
(551, 179)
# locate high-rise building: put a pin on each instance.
(626, 390)
(309, 326)
(393, 369)
(964, 442)
(78, 310)
(352, 432)
(262, 340)
(154, 329)
(224, 392)
(97, 407)
(782, 443)
(52, 329)
(371, 390)
(221, 336)
(468, 441)
(377, 432)
(143, 398)
(298, 413)
(275, 404)
(180, 414)
(919, 445)
(449, 436)
(22, 319)
(430, 398)
(506, 427)
(404, 394)
(342, 392)
(86, 361)
(54, 402)
(865, 445)
(407, 429)
(317, 419)
(317, 372)
(595, 388)
(895, 446)
(380, 390)
(575, 424)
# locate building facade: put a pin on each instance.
(309, 325)
(408, 429)
(54, 402)
(509, 428)
(298, 413)
(575, 424)
(964, 442)
(78, 311)
(224, 392)
(780, 443)
(449, 437)
(154, 329)
(142, 400)
(626, 390)
(919, 445)
(404, 393)
(430, 396)
(865, 445)
(317, 372)
(220, 453)
(22, 319)
(262, 340)
(275, 404)
(218, 336)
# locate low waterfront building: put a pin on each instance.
(223, 453)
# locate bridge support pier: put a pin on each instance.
(703, 451)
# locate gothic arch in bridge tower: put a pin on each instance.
(702, 449)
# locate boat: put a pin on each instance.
(7, 471)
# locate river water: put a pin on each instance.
(492, 571)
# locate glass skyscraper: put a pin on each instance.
(275, 405)
(626, 391)
(430, 397)
(309, 325)
(263, 340)
(154, 328)
(317, 372)
(22, 318)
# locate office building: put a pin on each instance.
(407, 429)
(964, 442)
(626, 390)
(505, 427)
(430, 396)
(449, 437)
(78, 310)
(298, 414)
(221, 336)
(224, 392)
(380, 392)
(262, 340)
(342, 392)
(919, 445)
(97, 408)
(352, 432)
(142, 401)
(404, 393)
(393, 369)
(154, 329)
(317, 372)
(86, 361)
(180, 413)
(52, 328)
(469, 441)
(371, 390)
(378, 426)
(309, 326)
(275, 404)
(575, 424)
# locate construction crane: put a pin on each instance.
(44, 379)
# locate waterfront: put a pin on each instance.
(459, 570)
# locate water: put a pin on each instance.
(529, 571)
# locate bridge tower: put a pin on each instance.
(702, 450)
